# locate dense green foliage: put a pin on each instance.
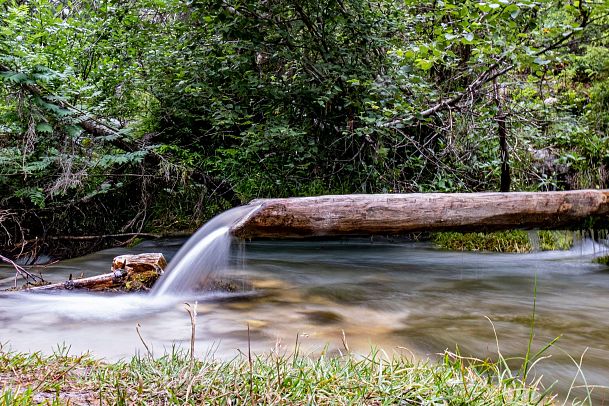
(118, 117)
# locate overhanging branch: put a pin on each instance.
(86, 121)
(489, 75)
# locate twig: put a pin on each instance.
(98, 237)
(19, 270)
(249, 360)
(192, 312)
(177, 234)
(345, 344)
(137, 329)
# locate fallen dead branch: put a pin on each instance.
(21, 271)
(128, 272)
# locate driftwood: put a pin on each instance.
(395, 214)
(129, 272)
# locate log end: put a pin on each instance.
(129, 273)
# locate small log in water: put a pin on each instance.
(129, 272)
(394, 214)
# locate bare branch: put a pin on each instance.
(21, 271)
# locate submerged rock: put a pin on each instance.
(322, 316)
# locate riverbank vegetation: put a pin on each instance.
(150, 116)
(517, 241)
(176, 378)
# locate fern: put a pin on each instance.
(15, 77)
(33, 194)
(109, 160)
(39, 165)
(44, 128)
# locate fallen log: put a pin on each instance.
(395, 214)
(128, 273)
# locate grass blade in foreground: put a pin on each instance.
(176, 379)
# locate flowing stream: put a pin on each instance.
(406, 298)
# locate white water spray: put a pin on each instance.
(204, 254)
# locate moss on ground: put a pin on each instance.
(141, 281)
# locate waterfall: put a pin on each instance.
(534, 240)
(205, 253)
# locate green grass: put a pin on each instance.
(503, 241)
(604, 260)
(176, 378)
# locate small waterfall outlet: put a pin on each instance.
(205, 253)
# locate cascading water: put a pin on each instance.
(205, 253)
(534, 240)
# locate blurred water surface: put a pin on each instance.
(406, 298)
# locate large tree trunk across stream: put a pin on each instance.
(389, 214)
(394, 214)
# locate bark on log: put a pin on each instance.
(129, 272)
(394, 214)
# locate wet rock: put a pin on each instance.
(322, 316)
(342, 294)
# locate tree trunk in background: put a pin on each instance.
(506, 178)
(394, 214)
(500, 119)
